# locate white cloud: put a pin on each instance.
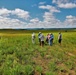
(69, 17)
(8, 21)
(4, 12)
(50, 8)
(48, 16)
(65, 3)
(60, 1)
(11, 23)
(49, 20)
(21, 13)
(35, 20)
(70, 20)
(41, 3)
(53, 1)
(17, 12)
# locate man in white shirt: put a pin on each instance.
(33, 38)
(42, 40)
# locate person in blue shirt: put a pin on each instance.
(51, 40)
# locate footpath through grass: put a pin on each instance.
(18, 56)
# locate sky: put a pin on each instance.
(23, 14)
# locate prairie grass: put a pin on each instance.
(18, 56)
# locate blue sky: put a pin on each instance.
(37, 14)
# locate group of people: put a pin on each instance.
(49, 38)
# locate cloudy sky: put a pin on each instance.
(37, 14)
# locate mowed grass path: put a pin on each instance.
(18, 56)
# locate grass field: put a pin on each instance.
(18, 56)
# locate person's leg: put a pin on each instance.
(39, 41)
(60, 41)
(42, 43)
(47, 40)
(50, 42)
(33, 41)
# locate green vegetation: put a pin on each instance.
(18, 56)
